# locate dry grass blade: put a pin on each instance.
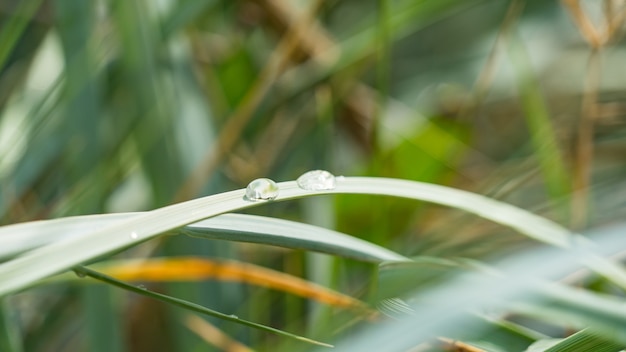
(216, 337)
(195, 269)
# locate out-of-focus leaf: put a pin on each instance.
(446, 309)
(397, 279)
(580, 341)
(198, 269)
(603, 316)
(542, 133)
(14, 26)
(214, 336)
(9, 333)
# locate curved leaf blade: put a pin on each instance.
(284, 233)
(232, 227)
(45, 261)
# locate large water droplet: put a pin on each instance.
(261, 189)
(317, 180)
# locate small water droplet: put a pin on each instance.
(234, 316)
(317, 180)
(134, 235)
(79, 273)
(141, 287)
(340, 178)
(261, 189)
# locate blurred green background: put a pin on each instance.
(114, 106)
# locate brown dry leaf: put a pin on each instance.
(196, 269)
(216, 337)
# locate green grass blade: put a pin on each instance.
(15, 26)
(605, 316)
(583, 340)
(45, 261)
(542, 133)
(231, 227)
(103, 323)
(283, 233)
(445, 310)
(9, 334)
(406, 18)
(83, 271)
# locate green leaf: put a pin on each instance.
(10, 335)
(605, 316)
(83, 271)
(283, 233)
(583, 340)
(231, 227)
(45, 261)
(15, 26)
(542, 133)
(520, 282)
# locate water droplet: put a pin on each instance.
(340, 178)
(141, 287)
(261, 189)
(81, 274)
(234, 316)
(317, 180)
(134, 235)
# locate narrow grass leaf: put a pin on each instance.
(603, 316)
(86, 272)
(44, 261)
(445, 309)
(583, 340)
(14, 27)
(541, 130)
(283, 233)
(18, 238)
(10, 336)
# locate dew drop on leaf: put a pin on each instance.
(81, 274)
(261, 189)
(317, 180)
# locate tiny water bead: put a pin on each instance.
(317, 180)
(134, 235)
(261, 189)
(234, 316)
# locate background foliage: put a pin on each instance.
(117, 106)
